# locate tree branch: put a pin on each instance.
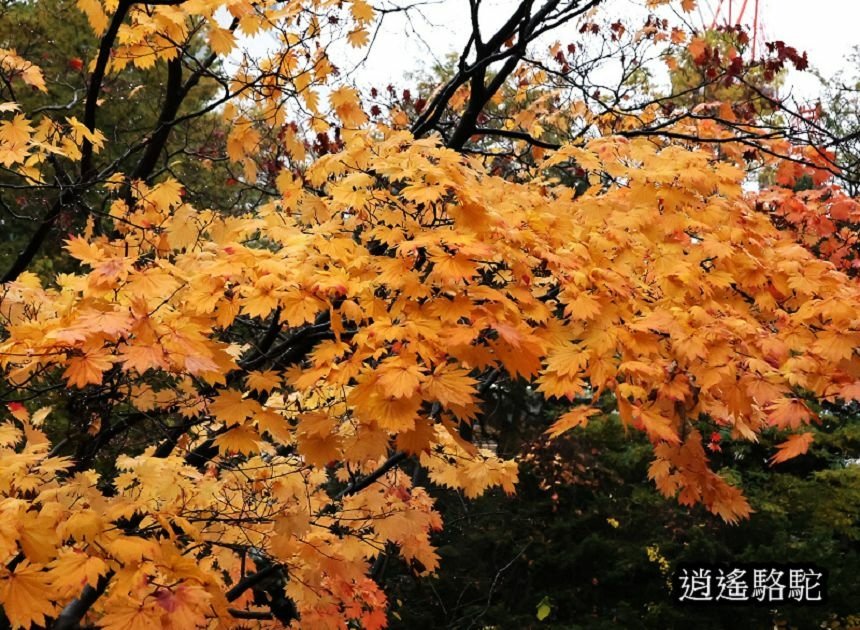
(26, 256)
(515, 135)
(364, 482)
(251, 580)
(95, 87)
(71, 615)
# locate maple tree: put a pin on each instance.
(211, 417)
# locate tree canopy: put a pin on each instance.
(231, 408)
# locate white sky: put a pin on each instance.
(825, 29)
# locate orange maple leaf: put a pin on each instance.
(88, 368)
(789, 413)
(26, 596)
(795, 445)
(577, 417)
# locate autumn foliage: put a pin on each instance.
(286, 367)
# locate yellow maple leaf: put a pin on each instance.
(73, 569)
(453, 268)
(231, 407)
(240, 439)
(298, 307)
(399, 379)
(396, 414)
(84, 251)
(221, 40)
(82, 525)
(273, 423)
(26, 596)
(124, 613)
(16, 131)
(263, 381)
(95, 14)
(834, 345)
(451, 385)
(358, 38)
(182, 229)
(14, 65)
(132, 549)
(346, 104)
(9, 434)
(184, 606)
(81, 132)
(361, 11)
(417, 440)
(318, 450)
(167, 193)
(142, 357)
(585, 306)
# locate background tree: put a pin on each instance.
(55, 35)
(587, 536)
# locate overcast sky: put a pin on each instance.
(826, 29)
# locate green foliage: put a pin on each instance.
(588, 543)
(838, 112)
(54, 34)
